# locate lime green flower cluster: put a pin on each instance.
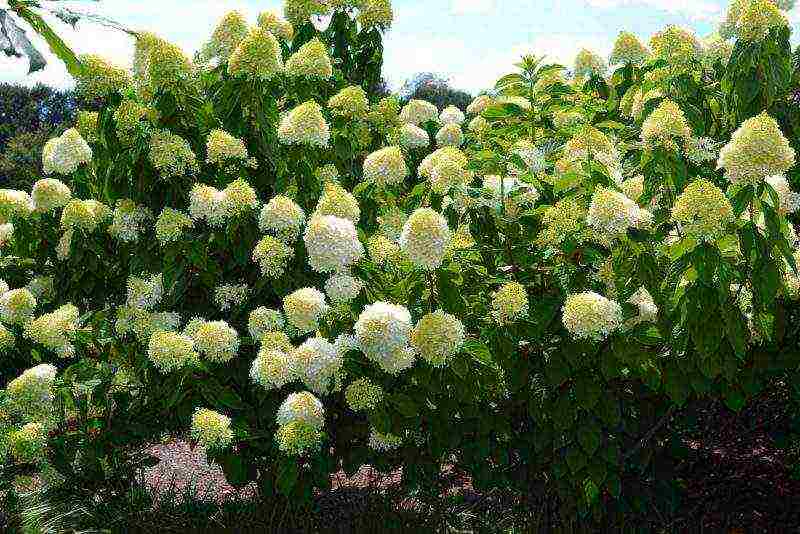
(211, 429)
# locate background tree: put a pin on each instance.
(435, 89)
(29, 117)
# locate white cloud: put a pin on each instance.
(698, 10)
(472, 7)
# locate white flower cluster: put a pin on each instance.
(332, 244)
(612, 213)
(171, 225)
(128, 221)
(446, 168)
(337, 201)
(386, 166)
(49, 194)
(263, 320)
(449, 135)
(451, 115)
(318, 364)
(343, 287)
(591, 316)
(648, 311)
(411, 136)
(437, 337)
(272, 256)
(216, 340)
(283, 217)
(301, 418)
(228, 296)
(15, 204)
(424, 238)
(31, 393)
(418, 112)
(54, 330)
(145, 292)
(478, 104)
(216, 207)
(304, 308)
(212, 429)
(170, 351)
(17, 306)
(382, 332)
(64, 154)
(304, 125)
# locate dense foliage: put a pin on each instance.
(253, 247)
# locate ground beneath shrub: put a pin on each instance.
(735, 479)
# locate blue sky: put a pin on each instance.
(472, 42)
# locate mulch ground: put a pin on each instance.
(735, 478)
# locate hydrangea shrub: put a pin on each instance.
(255, 248)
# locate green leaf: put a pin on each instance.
(609, 125)
(288, 474)
(479, 352)
(589, 437)
(587, 391)
(236, 473)
(404, 404)
(576, 459)
(56, 44)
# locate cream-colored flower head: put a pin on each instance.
(591, 316)
(300, 11)
(49, 194)
(350, 103)
(277, 26)
(756, 150)
(382, 329)
(703, 211)
(171, 155)
(612, 213)
(304, 125)
(304, 308)
(437, 337)
(303, 406)
(445, 168)
(418, 112)
(675, 45)
(510, 303)
(283, 217)
(337, 201)
(451, 115)
(375, 13)
(449, 135)
(230, 31)
(311, 61)
(410, 136)
(99, 78)
(272, 256)
(628, 49)
(425, 238)
(332, 244)
(363, 395)
(666, 126)
(587, 63)
(385, 167)
(211, 429)
(64, 154)
(479, 103)
(258, 56)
